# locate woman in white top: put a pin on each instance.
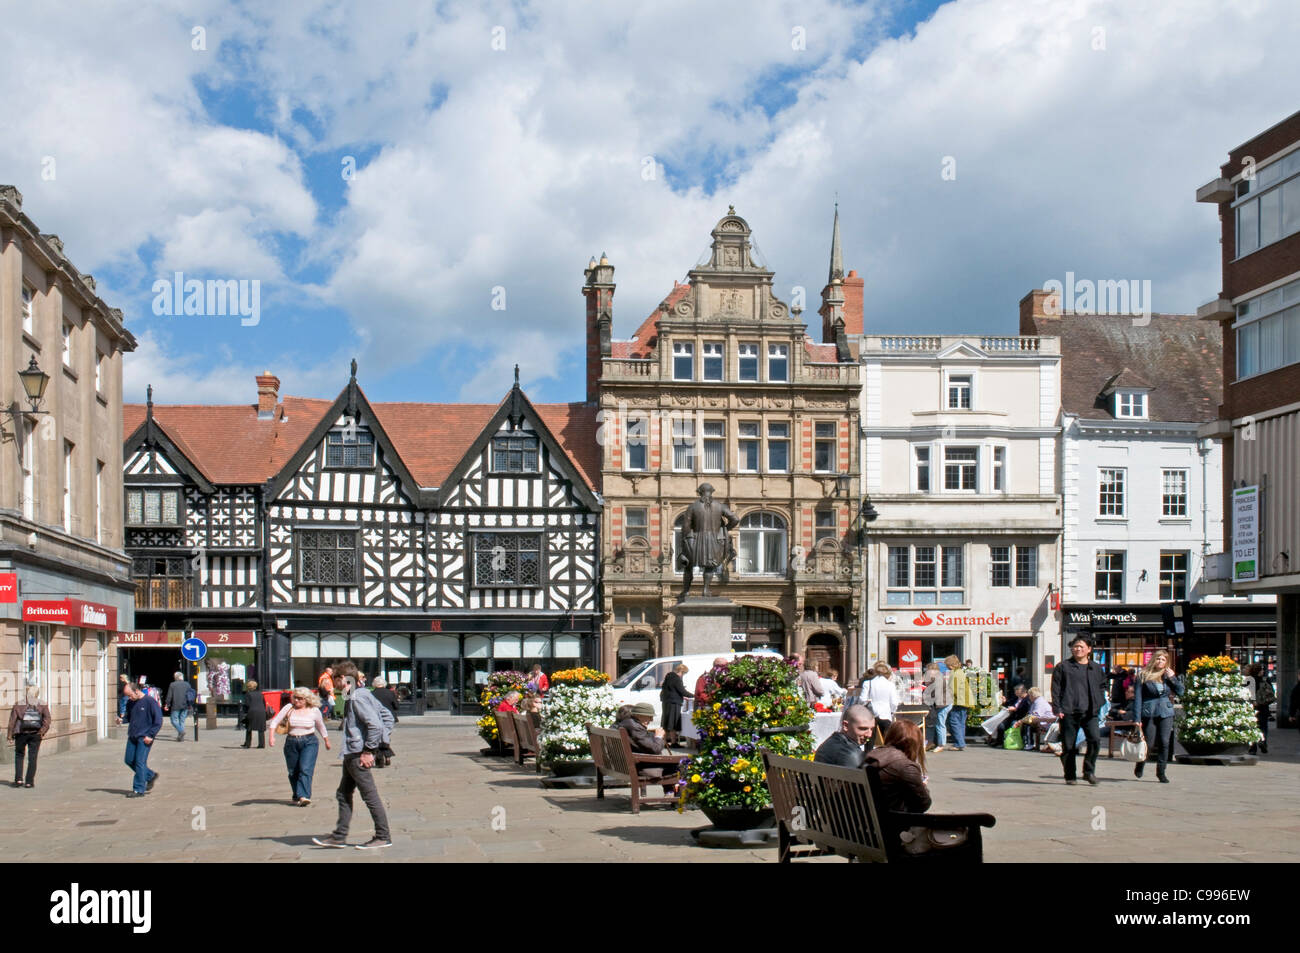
(300, 746)
(831, 689)
(881, 695)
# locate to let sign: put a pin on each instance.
(1245, 534)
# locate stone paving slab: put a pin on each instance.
(447, 802)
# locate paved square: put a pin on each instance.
(217, 802)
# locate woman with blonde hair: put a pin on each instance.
(1154, 691)
(300, 746)
(963, 700)
(882, 696)
(671, 695)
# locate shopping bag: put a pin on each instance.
(1012, 741)
(1134, 747)
(1053, 733)
(991, 725)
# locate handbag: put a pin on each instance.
(1012, 740)
(32, 719)
(1134, 747)
(283, 727)
(924, 840)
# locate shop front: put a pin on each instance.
(442, 664)
(153, 656)
(1128, 635)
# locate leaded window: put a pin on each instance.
(327, 557)
(507, 559)
(163, 582)
(153, 507)
(350, 449)
(514, 453)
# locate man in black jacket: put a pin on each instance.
(1078, 693)
(849, 746)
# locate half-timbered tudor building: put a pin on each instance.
(432, 543)
(723, 384)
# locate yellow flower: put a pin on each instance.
(695, 779)
(747, 789)
(717, 706)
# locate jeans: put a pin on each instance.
(30, 740)
(137, 759)
(178, 720)
(941, 726)
(957, 725)
(1159, 733)
(1071, 722)
(300, 756)
(355, 777)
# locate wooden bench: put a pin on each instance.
(1114, 735)
(611, 750)
(836, 810)
(526, 728)
(506, 731)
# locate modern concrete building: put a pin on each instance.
(960, 461)
(722, 384)
(1142, 494)
(1257, 192)
(64, 578)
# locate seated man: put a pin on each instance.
(1039, 720)
(637, 722)
(848, 747)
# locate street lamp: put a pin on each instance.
(34, 382)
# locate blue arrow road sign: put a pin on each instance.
(194, 649)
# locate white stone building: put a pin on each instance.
(960, 462)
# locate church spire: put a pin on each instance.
(837, 260)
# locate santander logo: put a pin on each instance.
(910, 656)
(922, 619)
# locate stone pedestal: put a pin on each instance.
(704, 626)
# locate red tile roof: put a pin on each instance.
(229, 444)
(644, 338)
(821, 353)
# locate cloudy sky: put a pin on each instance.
(383, 168)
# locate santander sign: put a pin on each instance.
(948, 619)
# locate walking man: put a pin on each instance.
(1078, 692)
(177, 703)
(144, 720)
(366, 728)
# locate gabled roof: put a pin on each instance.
(1125, 380)
(230, 445)
(1183, 355)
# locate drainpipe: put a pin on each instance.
(1203, 448)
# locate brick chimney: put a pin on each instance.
(853, 289)
(1038, 310)
(599, 292)
(268, 395)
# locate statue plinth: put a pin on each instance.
(704, 626)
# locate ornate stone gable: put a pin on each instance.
(731, 284)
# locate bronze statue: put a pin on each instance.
(705, 539)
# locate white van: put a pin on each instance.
(642, 683)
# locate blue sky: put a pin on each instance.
(499, 146)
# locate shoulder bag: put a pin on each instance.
(1134, 747)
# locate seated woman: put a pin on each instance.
(532, 704)
(831, 689)
(1039, 719)
(510, 703)
(901, 761)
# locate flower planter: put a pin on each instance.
(572, 769)
(737, 817)
(1206, 749)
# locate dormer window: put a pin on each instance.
(350, 449)
(1131, 404)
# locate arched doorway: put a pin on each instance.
(633, 648)
(755, 628)
(825, 653)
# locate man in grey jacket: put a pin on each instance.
(366, 728)
(177, 703)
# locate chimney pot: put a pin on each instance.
(268, 395)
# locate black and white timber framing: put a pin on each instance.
(401, 557)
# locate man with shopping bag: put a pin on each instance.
(1078, 694)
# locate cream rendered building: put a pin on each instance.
(64, 578)
(960, 460)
